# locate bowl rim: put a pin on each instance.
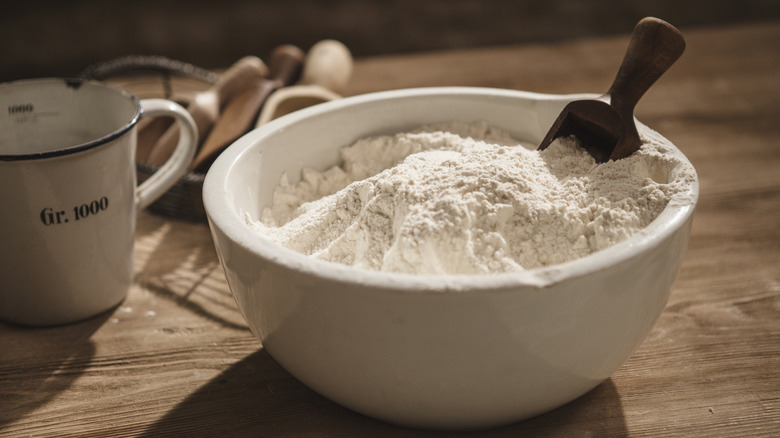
(222, 215)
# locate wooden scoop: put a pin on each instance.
(240, 113)
(605, 125)
(206, 105)
(326, 71)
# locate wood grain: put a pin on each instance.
(176, 359)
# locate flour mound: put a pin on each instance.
(465, 198)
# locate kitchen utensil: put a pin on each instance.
(326, 71)
(69, 195)
(207, 105)
(239, 114)
(605, 125)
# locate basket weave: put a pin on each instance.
(183, 200)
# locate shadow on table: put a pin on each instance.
(37, 364)
(177, 261)
(256, 397)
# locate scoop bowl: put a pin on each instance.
(605, 126)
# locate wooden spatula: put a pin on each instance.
(241, 112)
(605, 125)
(207, 105)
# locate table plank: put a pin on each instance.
(176, 359)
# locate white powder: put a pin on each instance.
(465, 198)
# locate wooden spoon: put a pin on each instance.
(326, 71)
(240, 113)
(605, 126)
(207, 105)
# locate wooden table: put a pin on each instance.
(176, 358)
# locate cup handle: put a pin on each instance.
(177, 165)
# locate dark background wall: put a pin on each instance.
(61, 38)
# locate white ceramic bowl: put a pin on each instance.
(443, 352)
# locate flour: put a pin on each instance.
(464, 198)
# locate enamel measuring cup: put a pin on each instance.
(69, 197)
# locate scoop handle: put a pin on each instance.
(245, 71)
(328, 64)
(284, 66)
(655, 45)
